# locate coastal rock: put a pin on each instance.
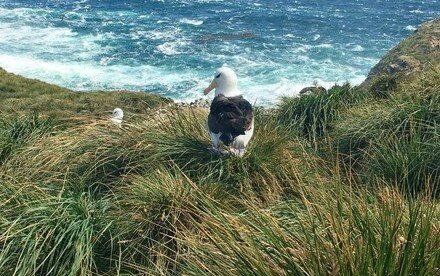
(200, 103)
(412, 57)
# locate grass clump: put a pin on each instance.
(383, 86)
(409, 162)
(310, 116)
(395, 138)
(14, 133)
(324, 231)
(47, 233)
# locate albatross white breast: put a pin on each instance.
(231, 118)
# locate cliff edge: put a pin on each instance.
(414, 56)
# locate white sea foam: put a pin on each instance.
(168, 48)
(86, 76)
(358, 48)
(168, 33)
(73, 16)
(191, 21)
(60, 43)
(410, 28)
(172, 47)
(304, 48)
(324, 45)
(24, 14)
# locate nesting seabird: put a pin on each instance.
(117, 116)
(315, 89)
(231, 118)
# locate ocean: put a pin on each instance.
(172, 47)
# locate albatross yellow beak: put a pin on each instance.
(210, 87)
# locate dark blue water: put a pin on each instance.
(173, 47)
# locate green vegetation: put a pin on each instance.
(20, 95)
(316, 193)
(414, 56)
(341, 183)
(383, 86)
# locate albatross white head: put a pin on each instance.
(225, 83)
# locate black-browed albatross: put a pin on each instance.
(231, 118)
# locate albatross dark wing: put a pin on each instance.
(230, 116)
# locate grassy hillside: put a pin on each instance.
(342, 183)
(416, 55)
(20, 95)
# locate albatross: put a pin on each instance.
(117, 116)
(317, 88)
(231, 118)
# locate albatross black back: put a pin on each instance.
(230, 116)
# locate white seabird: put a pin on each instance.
(317, 83)
(117, 116)
(231, 118)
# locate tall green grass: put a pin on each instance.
(14, 133)
(83, 197)
(397, 139)
(51, 232)
(326, 231)
(310, 116)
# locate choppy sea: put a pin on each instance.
(172, 47)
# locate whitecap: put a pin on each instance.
(324, 45)
(163, 34)
(358, 48)
(168, 48)
(171, 48)
(191, 21)
(316, 37)
(91, 76)
(410, 28)
(73, 17)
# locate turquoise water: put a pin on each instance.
(173, 47)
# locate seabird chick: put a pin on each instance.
(117, 116)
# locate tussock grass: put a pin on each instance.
(409, 162)
(48, 233)
(325, 231)
(310, 116)
(79, 196)
(14, 133)
(395, 138)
